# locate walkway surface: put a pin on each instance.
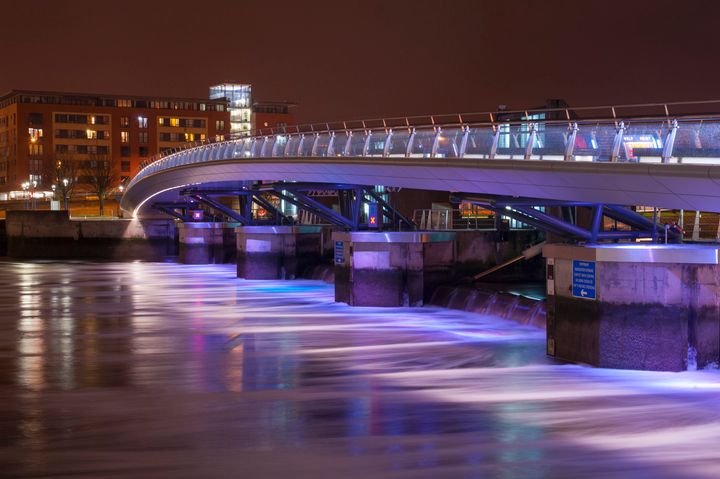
(172, 371)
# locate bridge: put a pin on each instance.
(628, 305)
(600, 155)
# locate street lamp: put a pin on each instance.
(34, 185)
(25, 187)
(65, 195)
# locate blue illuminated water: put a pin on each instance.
(171, 371)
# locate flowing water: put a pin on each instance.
(152, 370)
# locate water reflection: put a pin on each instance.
(162, 370)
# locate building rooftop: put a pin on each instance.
(90, 99)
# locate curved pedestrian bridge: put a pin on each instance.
(665, 161)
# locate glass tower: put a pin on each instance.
(239, 97)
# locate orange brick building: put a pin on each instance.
(275, 115)
(36, 127)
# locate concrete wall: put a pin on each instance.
(477, 251)
(391, 269)
(646, 316)
(207, 243)
(3, 239)
(277, 252)
(53, 235)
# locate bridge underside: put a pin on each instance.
(680, 186)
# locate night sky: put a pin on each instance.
(363, 59)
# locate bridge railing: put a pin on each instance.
(521, 135)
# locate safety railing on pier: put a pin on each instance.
(651, 133)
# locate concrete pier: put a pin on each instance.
(46, 234)
(391, 268)
(207, 243)
(277, 252)
(634, 306)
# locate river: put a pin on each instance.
(161, 370)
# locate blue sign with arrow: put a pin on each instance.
(583, 279)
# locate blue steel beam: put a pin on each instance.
(306, 203)
(227, 211)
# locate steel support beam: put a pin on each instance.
(634, 219)
(170, 210)
(305, 202)
(263, 203)
(597, 216)
(221, 208)
(389, 211)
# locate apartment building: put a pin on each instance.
(38, 127)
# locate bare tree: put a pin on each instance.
(101, 175)
(62, 172)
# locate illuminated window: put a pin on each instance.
(124, 103)
(161, 121)
(91, 134)
(91, 120)
(202, 106)
(174, 121)
(124, 137)
(189, 137)
(35, 149)
(142, 122)
(202, 136)
(35, 134)
(124, 121)
(220, 125)
(219, 137)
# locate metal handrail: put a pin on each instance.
(462, 121)
(436, 120)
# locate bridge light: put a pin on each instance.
(373, 215)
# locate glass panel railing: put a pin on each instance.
(291, 146)
(697, 141)
(357, 143)
(449, 143)
(479, 142)
(643, 142)
(218, 152)
(253, 148)
(376, 146)
(513, 140)
(594, 142)
(423, 143)
(323, 141)
(550, 142)
(399, 143)
(307, 145)
(266, 146)
(341, 141)
(279, 146)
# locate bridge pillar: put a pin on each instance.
(277, 252)
(634, 306)
(391, 268)
(207, 243)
